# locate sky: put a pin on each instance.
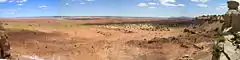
(134, 8)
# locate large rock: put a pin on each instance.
(4, 44)
(230, 50)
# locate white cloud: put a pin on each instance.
(223, 4)
(202, 1)
(82, 3)
(152, 3)
(11, 13)
(222, 7)
(202, 5)
(169, 3)
(66, 3)
(1, 1)
(42, 6)
(152, 7)
(90, 0)
(11, 1)
(142, 4)
(17, 1)
(19, 4)
(21, 1)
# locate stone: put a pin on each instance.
(4, 45)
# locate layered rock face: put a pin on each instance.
(228, 25)
(4, 44)
(230, 45)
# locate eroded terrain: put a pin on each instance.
(74, 40)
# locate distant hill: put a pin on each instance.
(105, 17)
(180, 18)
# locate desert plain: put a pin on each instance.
(104, 39)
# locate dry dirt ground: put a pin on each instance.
(70, 40)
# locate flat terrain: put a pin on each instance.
(83, 40)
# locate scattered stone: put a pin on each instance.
(189, 31)
(172, 38)
(30, 25)
(150, 42)
(186, 57)
(6, 24)
(104, 33)
(75, 45)
(184, 45)
(35, 33)
(198, 46)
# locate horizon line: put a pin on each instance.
(97, 16)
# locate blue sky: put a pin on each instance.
(137, 8)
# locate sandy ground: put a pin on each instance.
(68, 40)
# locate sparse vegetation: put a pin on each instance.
(148, 27)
